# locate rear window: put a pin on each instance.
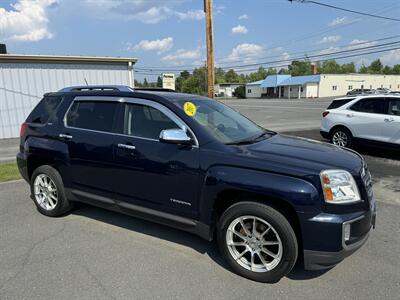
(93, 115)
(339, 103)
(44, 110)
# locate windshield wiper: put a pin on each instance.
(251, 140)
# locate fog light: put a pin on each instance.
(346, 232)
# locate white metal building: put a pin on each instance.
(320, 85)
(226, 89)
(25, 78)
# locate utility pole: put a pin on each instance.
(210, 47)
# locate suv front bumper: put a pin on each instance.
(332, 228)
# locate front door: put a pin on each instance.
(392, 121)
(151, 173)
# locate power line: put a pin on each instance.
(326, 59)
(284, 60)
(304, 52)
(347, 10)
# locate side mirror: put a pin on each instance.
(175, 136)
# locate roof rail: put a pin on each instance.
(84, 88)
(155, 89)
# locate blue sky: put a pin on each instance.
(171, 33)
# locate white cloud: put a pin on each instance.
(244, 52)
(27, 21)
(338, 21)
(182, 55)
(160, 45)
(197, 14)
(243, 17)
(356, 43)
(145, 11)
(329, 39)
(391, 58)
(240, 29)
(285, 56)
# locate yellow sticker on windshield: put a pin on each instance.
(189, 109)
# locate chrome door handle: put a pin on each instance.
(125, 146)
(65, 136)
(388, 120)
(349, 115)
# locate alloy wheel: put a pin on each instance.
(254, 244)
(45, 192)
(340, 138)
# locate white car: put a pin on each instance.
(374, 119)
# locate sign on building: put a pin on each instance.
(168, 81)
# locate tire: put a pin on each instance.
(265, 268)
(45, 181)
(341, 137)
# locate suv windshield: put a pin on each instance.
(222, 122)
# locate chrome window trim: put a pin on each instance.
(170, 114)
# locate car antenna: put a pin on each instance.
(86, 81)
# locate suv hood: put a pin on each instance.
(300, 155)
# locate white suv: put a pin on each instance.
(373, 118)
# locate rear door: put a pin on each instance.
(89, 128)
(366, 117)
(148, 172)
(392, 121)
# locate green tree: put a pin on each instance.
(231, 77)
(297, 67)
(219, 75)
(396, 69)
(145, 83)
(387, 70)
(363, 69)
(329, 67)
(240, 92)
(348, 68)
(375, 67)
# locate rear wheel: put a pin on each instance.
(48, 192)
(257, 241)
(341, 137)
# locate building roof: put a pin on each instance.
(274, 80)
(301, 80)
(255, 82)
(66, 59)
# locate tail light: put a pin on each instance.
(24, 127)
(325, 113)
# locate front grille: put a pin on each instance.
(367, 180)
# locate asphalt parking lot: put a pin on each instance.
(93, 253)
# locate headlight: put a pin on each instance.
(339, 187)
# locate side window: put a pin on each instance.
(146, 121)
(93, 115)
(370, 105)
(394, 107)
(44, 110)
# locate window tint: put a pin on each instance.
(394, 107)
(44, 110)
(339, 103)
(146, 121)
(370, 105)
(92, 115)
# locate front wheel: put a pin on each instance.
(257, 241)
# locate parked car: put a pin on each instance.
(373, 119)
(360, 92)
(195, 164)
(382, 91)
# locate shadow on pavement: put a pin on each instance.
(174, 235)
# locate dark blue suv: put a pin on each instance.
(195, 164)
